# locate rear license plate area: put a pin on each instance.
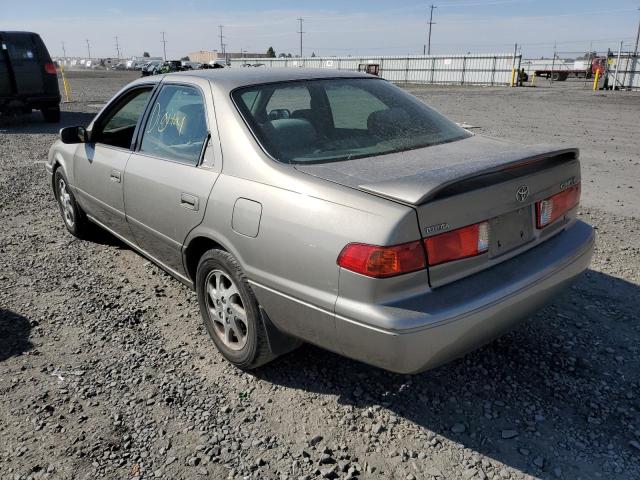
(510, 231)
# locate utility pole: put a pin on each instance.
(164, 46)
(635, 50)
(64, 52)
(300, 32)
(117, 47)
(221, 37)
(88, 48)
(430, 24)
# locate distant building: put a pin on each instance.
(207, 56)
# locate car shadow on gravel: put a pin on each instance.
(35, 124)
(539, 393)
(14, 334)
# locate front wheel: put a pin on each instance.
(230, 311)
(74, 218)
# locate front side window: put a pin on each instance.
(176, 128)
(117, 126)
(337, 119)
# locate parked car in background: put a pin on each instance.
(188, 65)
(170, 66)
(208, 66)
(346, 212)
(150, 68)
(28, 77)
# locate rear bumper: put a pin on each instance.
(428, 330)
(33, 101)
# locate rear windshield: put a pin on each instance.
(337, 119)
(22, 48)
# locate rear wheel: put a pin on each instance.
(230, 311)
(51, 114)
(74, 218)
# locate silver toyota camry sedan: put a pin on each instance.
(328, 207)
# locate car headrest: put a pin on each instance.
(305, 113)
(389, 122)
(290, 133)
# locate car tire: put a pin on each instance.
(230, 311)
(73, 216)
(51, 114)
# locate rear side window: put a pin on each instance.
(176, 128)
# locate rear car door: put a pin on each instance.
(99, 164)
(25, 62)
(170, 175)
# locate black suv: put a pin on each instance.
(28, 77)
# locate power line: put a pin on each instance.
(88, 48)
(164, 46)
(117, 48)
(300, 32)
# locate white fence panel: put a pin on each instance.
(484, 69)
(628, 72)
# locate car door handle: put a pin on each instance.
(189, 201)
(115, 176)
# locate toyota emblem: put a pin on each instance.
(522, 193)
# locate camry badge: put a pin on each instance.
(522, 193)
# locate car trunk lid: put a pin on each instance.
(465, 182)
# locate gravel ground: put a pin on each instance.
(107, 372)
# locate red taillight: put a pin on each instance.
(552, 208)
(50, 68)
(375, 261)
(460, 243)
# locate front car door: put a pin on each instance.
(170, 175)
(99, 164)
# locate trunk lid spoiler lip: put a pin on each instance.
(419, 188)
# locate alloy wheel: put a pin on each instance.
(65, 203)
(226, 310)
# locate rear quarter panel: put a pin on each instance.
(305, 222)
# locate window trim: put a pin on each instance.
(145, 119)
(108, 108)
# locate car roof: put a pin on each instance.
(18, 32)
(231, 78)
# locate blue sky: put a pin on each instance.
(332, 27)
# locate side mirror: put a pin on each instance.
(74, 135)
